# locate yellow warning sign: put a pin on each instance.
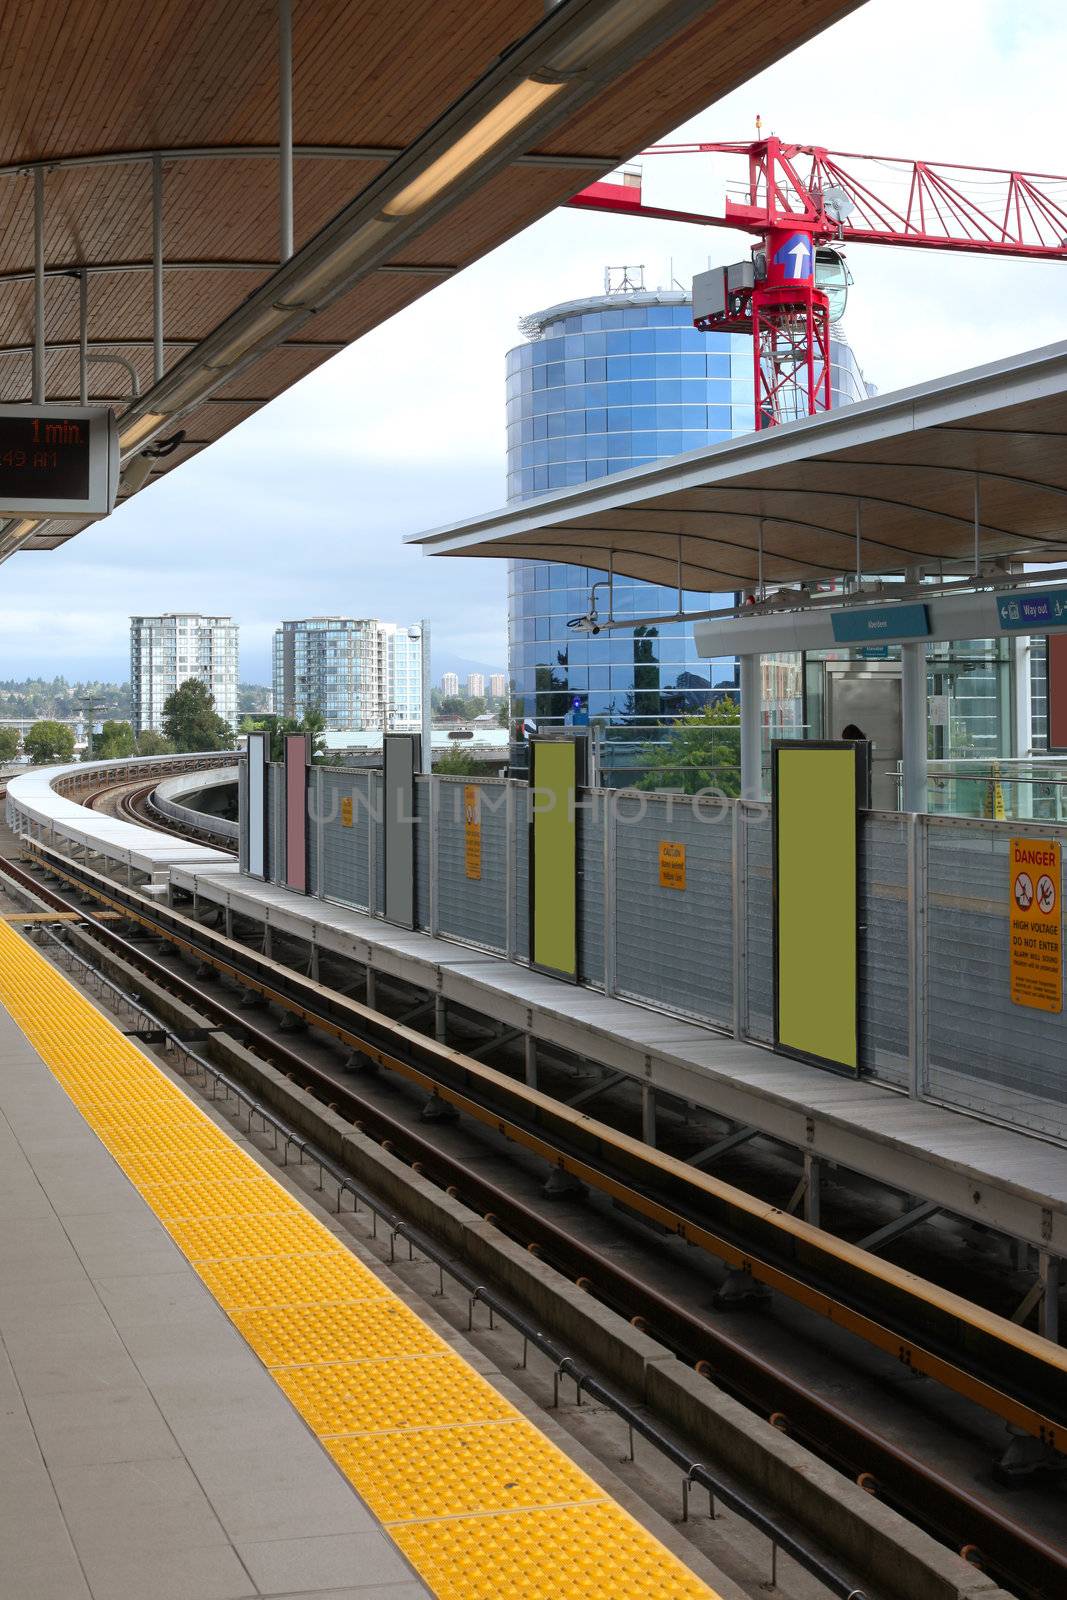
(346, 811)
(472, 827)
(671, 864)
(1036, 924)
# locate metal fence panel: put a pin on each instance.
(984, 1053)
(276, 839)
(422, 853)
(883, 945)
(344, 848)
(242, 816)
(591, 887)
(377, 842)
(472, 908)
(674, 946)
(757, 996)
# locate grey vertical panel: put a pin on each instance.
(759, 931)
(473, 909)
(674, 947)
(520, 932)
(422, 853)
(985, 1053)
(253, 804)
(400, 762)
(883, 945)
(591, 886)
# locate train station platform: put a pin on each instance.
(1005, 1179)
(208, 1393)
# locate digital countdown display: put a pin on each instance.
(44, 458)
(57, 459)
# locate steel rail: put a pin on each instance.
(1005, 1549)
(929, 1330)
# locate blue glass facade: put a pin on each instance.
(603, 385)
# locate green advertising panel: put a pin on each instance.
(555, 774)
(816, 793)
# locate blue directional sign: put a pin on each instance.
(1032, 612)
(859, 624)
(795, 256)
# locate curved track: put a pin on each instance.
(1015, 1374)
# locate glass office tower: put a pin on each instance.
(604, 384)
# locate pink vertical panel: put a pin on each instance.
(297, 750)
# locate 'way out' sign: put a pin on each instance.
(1036, 924)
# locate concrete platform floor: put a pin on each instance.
(145, 1452)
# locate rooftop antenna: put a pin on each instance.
(624, 280)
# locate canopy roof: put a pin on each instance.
(906, 472)
(106, 101)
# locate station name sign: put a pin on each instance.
(861, 625)
(1033, 612)
(57, 460)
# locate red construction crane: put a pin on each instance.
(801, 200)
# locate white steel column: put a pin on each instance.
(38, 287)
(751, 729)
(913, 709)
(1022, 724)
(285, 127)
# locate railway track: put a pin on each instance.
(136, 806)
(1014, 1374)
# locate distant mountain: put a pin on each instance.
(445, 661)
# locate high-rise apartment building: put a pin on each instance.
(168, 650)
(449, 684)
(476, 686)
(498, 686)
(359, 674)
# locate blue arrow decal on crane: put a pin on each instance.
(795, 256)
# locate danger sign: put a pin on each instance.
(1036, 924)
(671, 864)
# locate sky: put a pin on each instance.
(404, 431)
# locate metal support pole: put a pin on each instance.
(83, 338)
(285, 126)
(751, 729)
(38, 287)
(427, 708)
(681, 591)
(157, 268)
(530, 1060)
(977, 523)
(1049, 1314)
(648, 1114)
(859, 542)
(913, 705)
(812, 1189)
(1022, 724)
(759, 558)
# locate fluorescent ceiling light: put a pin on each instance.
(309, 286)
(266, 321)
(602, 37)
(138, 428)
(19, 529)
(514, 109)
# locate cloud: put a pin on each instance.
(302, 509)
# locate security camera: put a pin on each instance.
(586, 624)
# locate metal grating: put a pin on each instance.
(472, 908)
(883, 946)
(757, 847)
(590, 817)
(674, 947)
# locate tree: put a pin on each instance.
(461, 764)
(9, 744)
(49, 741)
(190, 720)
(151, 743)
(312, 722)
(702, 752)
(114, 741)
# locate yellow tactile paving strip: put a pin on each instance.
(483, 1505)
